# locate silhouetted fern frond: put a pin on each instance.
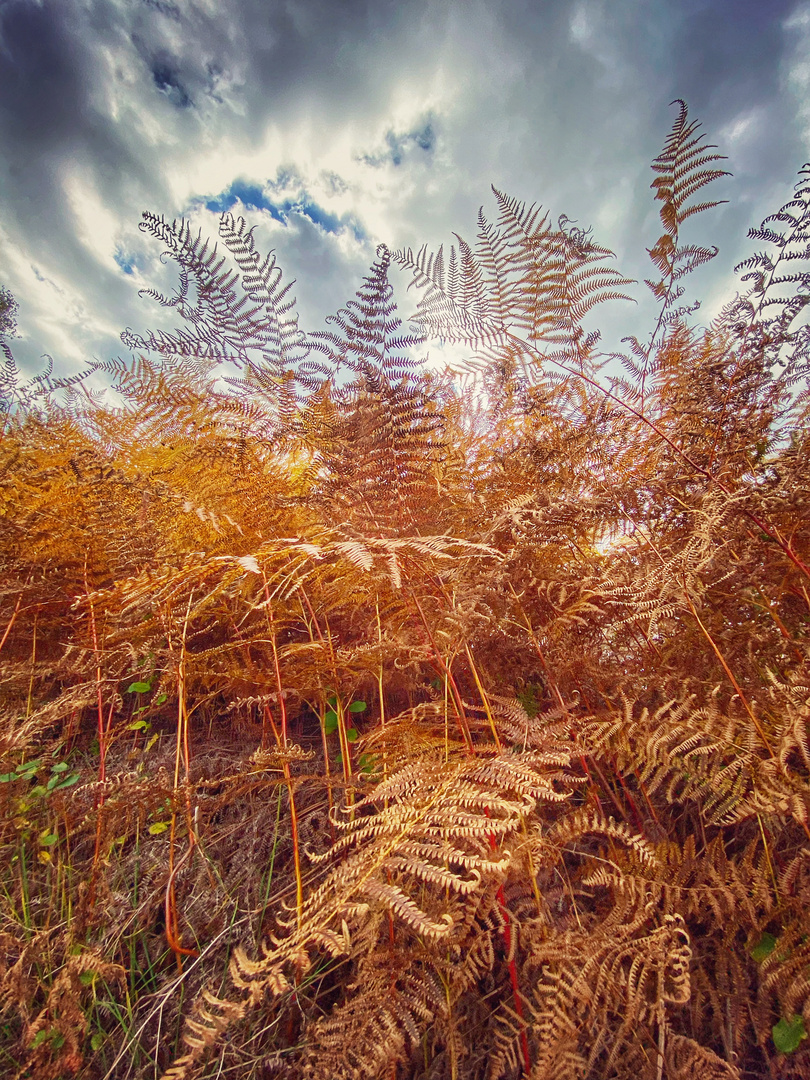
(766, 317)
(379, 452)
(253, 331)
(526, 283)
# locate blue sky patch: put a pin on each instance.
(425, 138)
(252, 197)
(131, 262)
(331, 223)
(126, 265)
(400, 143)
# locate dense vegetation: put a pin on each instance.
(364, 720)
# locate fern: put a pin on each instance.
(378, 455)
(255, 331)
(363, 718)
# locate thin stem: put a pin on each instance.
(484, 698)
(299, 887)
(445, 670)
(11, 621)
(759, 728)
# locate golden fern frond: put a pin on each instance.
(371, 1030)
(766, 320)
(685, 1059)
(213, 1016)
(423, 846)
(557, 276)
(584, 822)
(682, 172)
(634, 966)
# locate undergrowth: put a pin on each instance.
(362, 719)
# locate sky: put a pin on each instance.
(336, 125)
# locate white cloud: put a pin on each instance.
(743, 129)
(96, 226)
(110, 108)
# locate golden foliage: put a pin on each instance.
(364, 720)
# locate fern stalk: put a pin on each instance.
(299, 887)
(445, 671)
(11, 621)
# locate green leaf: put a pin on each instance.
(40, 1038)
(331, 701)
(8, 777)
(60, 766)
(69, 781)
(97, 1041)
(160, 699)
(158, 827)
(54, 780)
(138, 725)
(86, 978)
(330, 722)
(787, 1034)
(352, 734)
(139, 688)
(763, 948)
(49, 839)
(38, 791)
(357, 706)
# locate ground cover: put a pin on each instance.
(364, 719)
